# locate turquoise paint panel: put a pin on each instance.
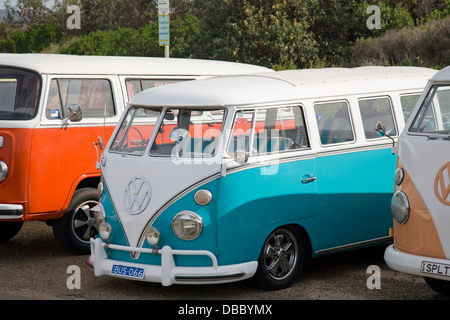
(349, 202)
(252, 203)
(206, 240)
(354, 194)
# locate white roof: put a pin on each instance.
(443, 75)
(286, 85)
(73, 64)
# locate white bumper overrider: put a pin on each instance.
(168, 273)
(417, 265)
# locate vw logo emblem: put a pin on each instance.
(442, 184)
(137, 195)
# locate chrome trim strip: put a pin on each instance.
(354, 245)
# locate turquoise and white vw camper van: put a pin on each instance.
(227, 178)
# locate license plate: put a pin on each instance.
(435, 268)
(126, 271)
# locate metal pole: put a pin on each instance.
(166, 51)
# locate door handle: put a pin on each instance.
(308, 179)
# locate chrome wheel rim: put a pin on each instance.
(83, 221)
(280, 254)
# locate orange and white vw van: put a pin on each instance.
(56, 112)
(421, 203)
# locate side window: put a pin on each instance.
(333, 120)
(408, 103)
(274, 130)
(279, 129)
(134, 86)
(93, 95)
(374, 110)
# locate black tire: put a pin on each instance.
(281, 260)
(9, 229)
(76, 226)
(438, 285)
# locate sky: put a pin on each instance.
(14, 2)
(2, 3)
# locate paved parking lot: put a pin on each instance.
(34, 266)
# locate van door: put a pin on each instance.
(62, 151)
(354, 184)
(274, 187)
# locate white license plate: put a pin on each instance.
(126, 271)
(435, 268)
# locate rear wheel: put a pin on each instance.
(9, 229)
(76, 227)
(281, 259)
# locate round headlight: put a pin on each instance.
(105, 230)
(399, 176)
(99, 214)
(203, 197)
(100, 189)
(152, 236)
(400, 207)
(3, 171)
(187, 225)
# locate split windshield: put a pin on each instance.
(433, 117)
(19, 92)
(181, 133)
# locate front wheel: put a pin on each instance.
(76, 227)
(281, 259)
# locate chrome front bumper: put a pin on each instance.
(10, 211)
(168, 273)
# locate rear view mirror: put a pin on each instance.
(380, 128)
(241, 156)
(74, 112)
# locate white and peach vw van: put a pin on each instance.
(53, 110)
(421, 203)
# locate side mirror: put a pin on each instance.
(380, 128)
(241, 156)
(74, 112)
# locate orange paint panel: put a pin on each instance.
(418, 235)
(15, 153)
(60, 158)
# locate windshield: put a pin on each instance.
(433, 116)
(19, 92)
(188, 133)
(135, 131)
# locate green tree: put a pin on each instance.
(35, 39)
(255, 31)
(28, 13)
